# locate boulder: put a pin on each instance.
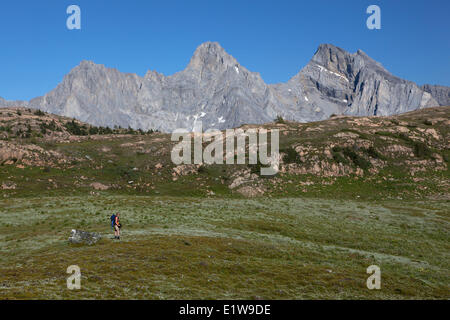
(99, 186)
(185, 169)
(84, 237)
(251, 191)
(8, 186)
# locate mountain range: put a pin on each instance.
(215, 91)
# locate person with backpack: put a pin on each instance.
(115, 224)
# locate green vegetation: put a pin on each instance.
(44, 126)
(340, 154)
(39, 113)
(76, 129)
(421, 150)
(191, 248)
(360, 134)
(279, 119)
(309, 231)
(372, 152)
(291, 156)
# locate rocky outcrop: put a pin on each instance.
(440, 93)
(185, 169)
(99, 186)
(8, 186)
(32, 155)
(218, 92)
(83, 237)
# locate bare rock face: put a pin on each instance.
(440, 93)
(83, 237)
(338, 82)
(217, 91)
(14, 103)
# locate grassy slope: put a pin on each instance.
(220, 248)
(111, 160)
(307, 237)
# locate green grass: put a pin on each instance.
(421, 150)
(341, 154)
(191, 248)
(291, 156)
(308, 236)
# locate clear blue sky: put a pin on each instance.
(275, 38)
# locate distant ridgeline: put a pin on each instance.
(217, 91)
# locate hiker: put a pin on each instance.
(115, 224)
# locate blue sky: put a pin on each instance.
(275, 38)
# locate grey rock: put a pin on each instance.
(12, 103)
(83, 237)
(213, 89)
(216, 91)
(335, 81)
(440, 93)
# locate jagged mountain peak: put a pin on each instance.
(329, 52)
(349, 64)
(211, 56)
(328, 49)
(88, 64)
(332, 58)
(85, 67)
(210, 48)
(216, 90)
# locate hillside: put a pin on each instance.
(351, 192)
(370, 157)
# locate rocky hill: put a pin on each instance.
(218, 92)
(345, 156)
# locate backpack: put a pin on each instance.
(113, 220)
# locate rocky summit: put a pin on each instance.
(215, 91)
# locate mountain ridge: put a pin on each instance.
(215, 91)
